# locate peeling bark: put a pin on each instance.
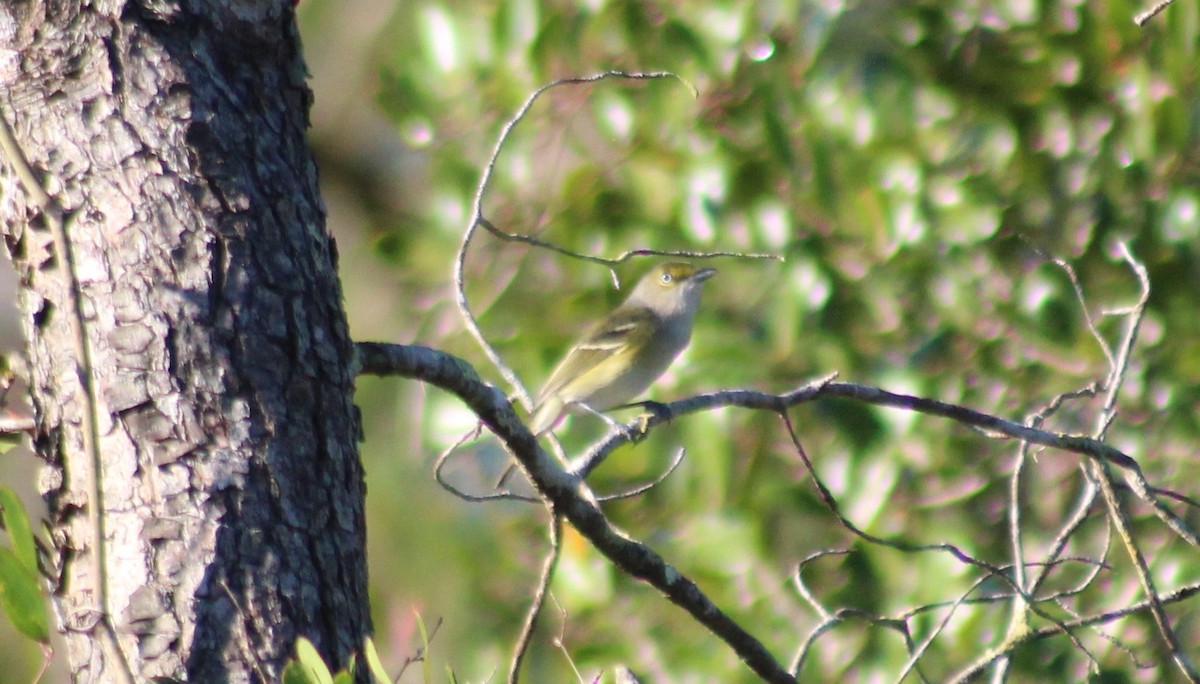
(228, 488)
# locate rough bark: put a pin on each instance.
(227, 493)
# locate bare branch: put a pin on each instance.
(838, 618)
(974, 669)
(1030, 433)
(1118, 515)
(477, 220)
(444, 457)
(832, 504)
(643, 488)
(569, 495)
(916, 653)
(990, 425)
(1154, 11)
(802, 588)
(1117, 376)
(539, 596)
(1120, 519)
(386, 359)
(623, 256)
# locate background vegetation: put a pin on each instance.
(916, 163)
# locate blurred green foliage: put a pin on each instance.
(917, 163)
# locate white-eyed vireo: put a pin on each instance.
(619, 357)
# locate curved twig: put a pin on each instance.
(643, 488)
(477, 220)
(802, 587)
(539, 596)
(445, 484)
(915, 654)
(837, 618)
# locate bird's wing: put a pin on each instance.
(603, 341)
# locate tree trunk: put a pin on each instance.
(191, 326)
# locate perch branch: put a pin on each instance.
(568, 494)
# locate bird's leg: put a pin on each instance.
(653, 409)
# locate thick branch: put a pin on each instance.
(568, 494)
(571, 497)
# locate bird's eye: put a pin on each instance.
(665, 279)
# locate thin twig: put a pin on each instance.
(477, 218)
(1018, 619)
(1079, 515)
(612, 262)
(560, 641)
(1121, 366)
(1000, 573)
(643, 488)
(971, 671)
(539, 596)
(89, 398)
(843, 615)
(1149, 14)
(1120, 520)
(802, 587)
(443, 458)
(1181, 498)
(1019, 614)
(419, 654)
(1117, 512)
(832, 504)
(915, 655)
(1079, 297)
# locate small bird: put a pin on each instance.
(622, 355)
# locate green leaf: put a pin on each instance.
(308, 667)
(295, 673)
(16, 521)
(425, 669)
(21, 598)
(374, 664)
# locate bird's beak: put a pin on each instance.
(703, 274)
